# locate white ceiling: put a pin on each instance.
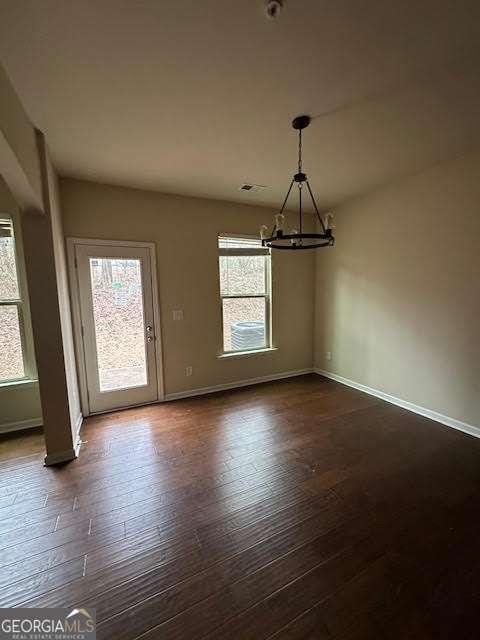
(196, 97)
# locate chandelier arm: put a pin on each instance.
(316, 208)
(286, 197)
(300, 205)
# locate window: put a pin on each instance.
(245, 293)
(13, 364)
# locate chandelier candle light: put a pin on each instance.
(297, 238)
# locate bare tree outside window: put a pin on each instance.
(12, 365)
(117, 298)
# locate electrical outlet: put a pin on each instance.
(328, 355)
(177, 314)
(188, 371)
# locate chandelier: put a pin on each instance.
(298, 238)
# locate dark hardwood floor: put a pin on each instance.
(288, 510)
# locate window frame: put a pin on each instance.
(267, 296)
(23, 308)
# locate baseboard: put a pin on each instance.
(69, 454)
(60, 457)
(76, 446)
(77, 439)
(20, 425)
(423, 411)
(237, 384)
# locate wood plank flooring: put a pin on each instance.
(289, 510)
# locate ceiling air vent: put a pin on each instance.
(248, 186)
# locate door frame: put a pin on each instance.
(72, 243)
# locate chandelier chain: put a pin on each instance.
(316, 208)
(299, 151)
(300, 205)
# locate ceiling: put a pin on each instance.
(197, 97)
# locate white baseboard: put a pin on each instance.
(423, 411)
(78, 426)
(60, 457)
(68, 454)
(20, 425)
(77, 441)
(234, 385)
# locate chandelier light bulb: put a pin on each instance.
(279, 221)
(327, 221)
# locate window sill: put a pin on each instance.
(241, 354)
(11, 384)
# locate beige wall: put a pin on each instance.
(18, 147)
(47, 332)
(46, 271)
(185, 232)
(27, 172)
(398, 299)
(20, 406)
(61, 272)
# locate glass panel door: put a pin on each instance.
(116, 306)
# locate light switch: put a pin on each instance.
(177, 314)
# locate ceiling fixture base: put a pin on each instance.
(301, 122)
